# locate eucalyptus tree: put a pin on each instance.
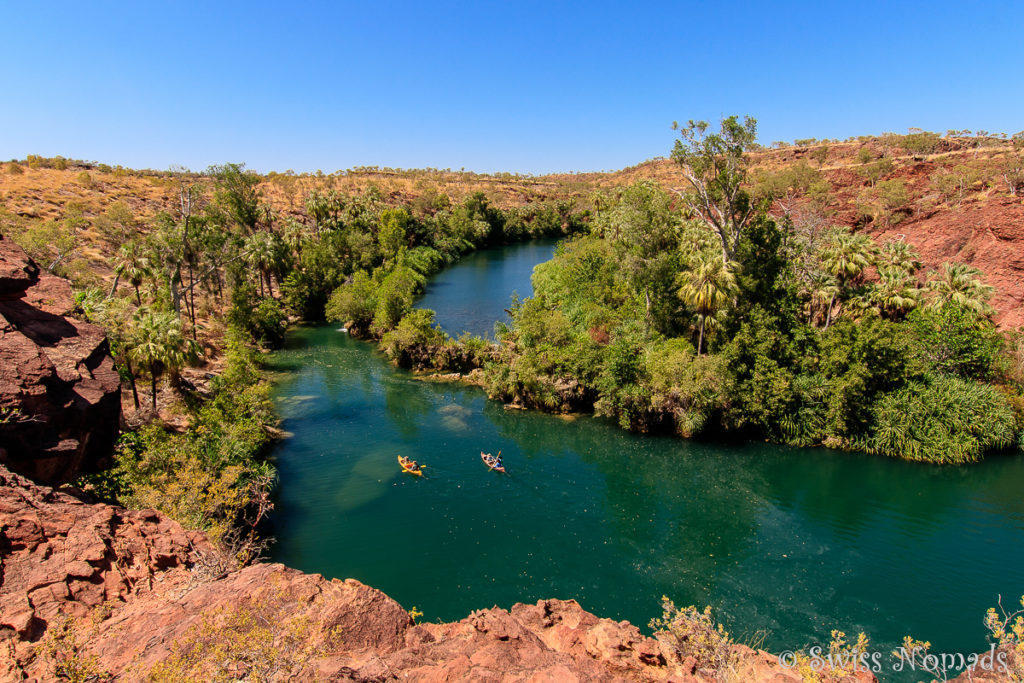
(715, 167)
(237, 193)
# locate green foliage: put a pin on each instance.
(883, 200)
(644, 232)
(392, 232)
(262, 318)
(715, 165)
(246, 642)
(960, 284)
(875, 171)
(416, 330)
(690, 388)
(859, 362)
(238, 194)
(51, 243)
(954, 340)
(117, 224)
(921, 143)
(212, 477)
(764, 357)
(157, 343)
(943, 419)
(65, 654)
(354, 302)
(395, 297)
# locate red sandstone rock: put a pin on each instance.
(138, 587)
(60, 395)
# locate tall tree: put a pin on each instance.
(707, 287)
(130, 264)
(845, 256)
(715, 167)
(159, 345)
(644, 231)
(238, 194)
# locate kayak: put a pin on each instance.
(407, 466)
(493, 462)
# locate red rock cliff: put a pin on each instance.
(60, 395)
(139, 587)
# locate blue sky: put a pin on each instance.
(525, 86)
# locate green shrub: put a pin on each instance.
(354, 302)
(942, 420)
(953, 340)
(263, 319)
(921, 143)
(414, 332)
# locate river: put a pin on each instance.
(792, 542)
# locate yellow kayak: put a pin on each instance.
(410, 466)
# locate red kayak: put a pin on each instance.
(492, 461)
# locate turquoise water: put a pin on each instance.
(793, 542)
(474, 294)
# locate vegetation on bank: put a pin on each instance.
(696, 312)
(221, 275)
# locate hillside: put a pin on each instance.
(956, 198)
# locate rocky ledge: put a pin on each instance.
(60, 395)
(130, 595)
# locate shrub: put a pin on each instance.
(413, 332)
(690, 632)
(264, 322)
(942, 420)
(251, 642)
(1006, 631)
(84, 179)
(14, 168)
(354, 302)
(921, 143)
(955, 341)
(873, 172)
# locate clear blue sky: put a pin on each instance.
(519, 86)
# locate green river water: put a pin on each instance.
(792, 542)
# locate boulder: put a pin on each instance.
(60, 394)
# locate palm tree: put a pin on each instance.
(899, 255)
(845, 256)
(896, 293)
(961, 284)
(131, 265)
(159, 344)
(707, 287)
(262, 255)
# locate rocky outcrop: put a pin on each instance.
(60, 395)
(116, 593)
